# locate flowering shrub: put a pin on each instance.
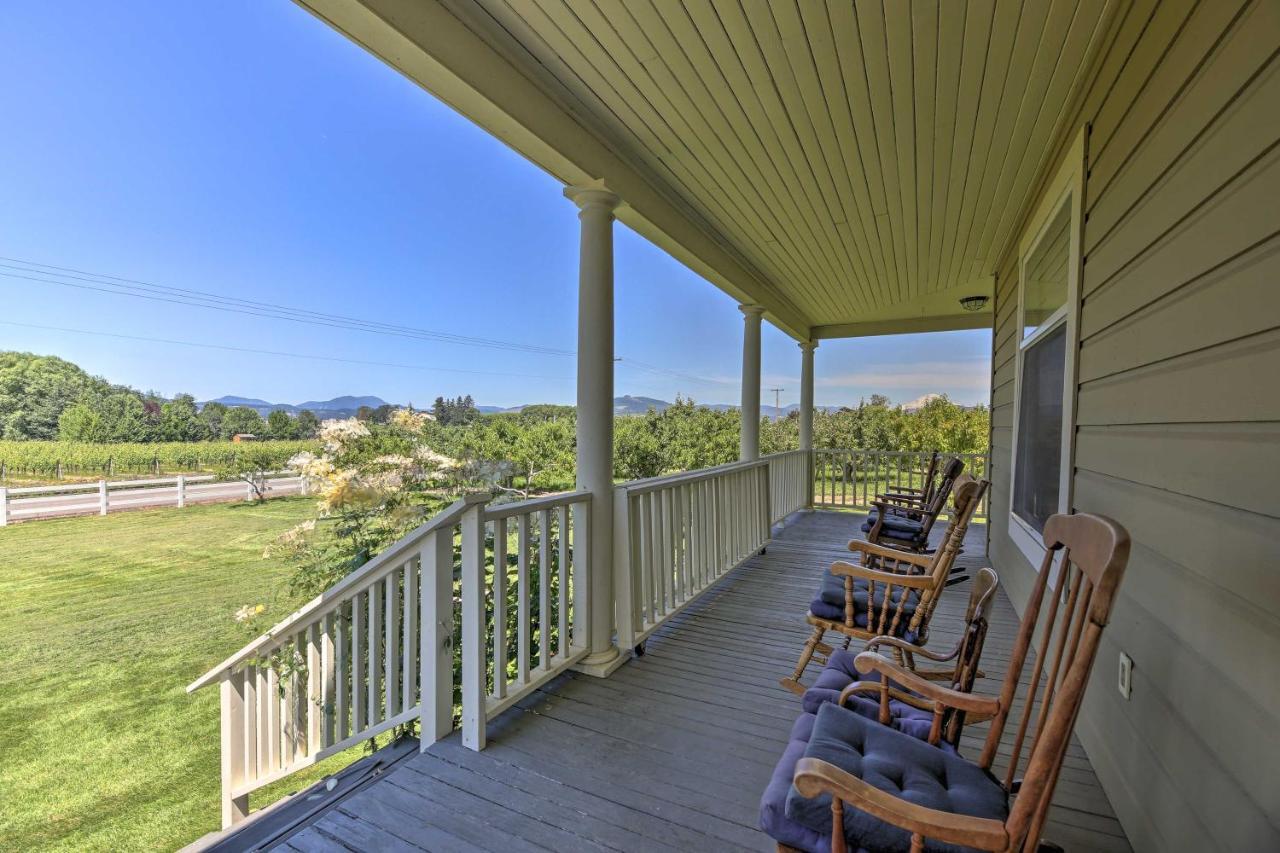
(374, 483)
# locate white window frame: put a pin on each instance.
(1067, 188)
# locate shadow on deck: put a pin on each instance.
(673, 751)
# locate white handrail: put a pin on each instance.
(675, 536)
(361, 577)
(375, 650)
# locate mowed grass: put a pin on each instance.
(103, 622)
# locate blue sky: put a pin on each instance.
(244, 148)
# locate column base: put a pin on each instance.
(601, 664)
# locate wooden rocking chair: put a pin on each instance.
(891, 592)
(905, 522)
(854, 761)
(840, 681)
(922, 495)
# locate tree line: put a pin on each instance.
(47, 398)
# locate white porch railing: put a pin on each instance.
(517, 636)
(788, 483)
(383, 646)
(851, 479)
(674, 536)
(377, 650)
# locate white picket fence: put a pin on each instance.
(29, 503)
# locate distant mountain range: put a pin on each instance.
(346, 406)
(338, 407)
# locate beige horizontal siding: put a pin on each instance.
(1178, 418)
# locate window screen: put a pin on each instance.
(1039, 460)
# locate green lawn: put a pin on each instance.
(104, 622)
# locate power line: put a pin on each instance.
(230, 348)
(72, 277)
(68, 277)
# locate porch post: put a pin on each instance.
(806, 414)
(595, 416)
(750, 442)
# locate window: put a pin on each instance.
(1049, 264)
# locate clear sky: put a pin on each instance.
(246, 149)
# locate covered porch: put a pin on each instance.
(1093, 181)
(691, 732)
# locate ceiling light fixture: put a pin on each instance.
(973, 303)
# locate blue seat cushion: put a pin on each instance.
(773, 803)
(829, 604)
(840, 673)
(897, 764)
(896, 527)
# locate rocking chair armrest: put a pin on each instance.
(977, 703)
(898, 643)
(884, 506)
(839, 567)
(814, 776)
(870, 549)
(899, 503)
(902, 497)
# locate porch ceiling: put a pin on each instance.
(853, 167)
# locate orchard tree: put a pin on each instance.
(242, 420)
(279, 424)
(179, 420)
(306, 424)
(212, 415)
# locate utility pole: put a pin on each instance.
(777, 395)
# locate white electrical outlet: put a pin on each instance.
(1126, 675)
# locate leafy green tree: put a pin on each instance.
(250, 465)
(212, 415)
(179, 420)
(125, 417)
(80, 422)
(34, 391)
(306, 424)
(548, 412)
(280, 425)
(459, 411)
(242, 419)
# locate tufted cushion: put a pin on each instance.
(896, 527)
(829, 604)
(895, 763)
(840, 673)
(773, 804)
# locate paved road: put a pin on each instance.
(123, 498)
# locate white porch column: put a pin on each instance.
(806, 394)
(750, 443)
(806, 414)
(595, 413)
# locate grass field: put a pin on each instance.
(104, 622)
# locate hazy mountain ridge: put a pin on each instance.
(347, 405)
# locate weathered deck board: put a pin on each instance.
(672, 751)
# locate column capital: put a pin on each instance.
(594, 195)
(807, 346)
(751, 310)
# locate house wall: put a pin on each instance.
(1178, 418)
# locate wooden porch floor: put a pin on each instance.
(673, 751)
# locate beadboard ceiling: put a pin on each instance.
(850, 165)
